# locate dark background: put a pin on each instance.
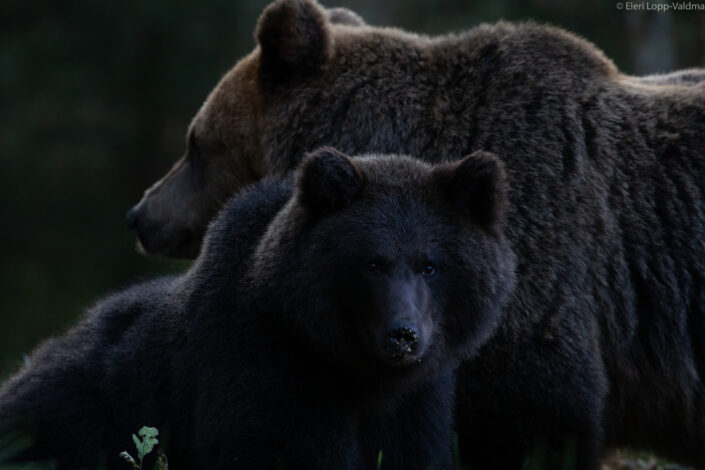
(95, 97)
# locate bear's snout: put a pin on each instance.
(400, 310)
(156, 236)
(400, 342)
(132, 217)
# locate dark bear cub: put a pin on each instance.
(321, 325)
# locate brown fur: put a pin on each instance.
(250, 126)
(681, 77)
(602, 344)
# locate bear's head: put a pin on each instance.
(384, 263)
(226, 140)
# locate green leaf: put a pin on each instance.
(146, 431)
(162, 463)
(149, 440)
(129, 458)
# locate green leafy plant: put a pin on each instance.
(145, 443)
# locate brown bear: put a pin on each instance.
(602, 343)
(324, 77)
(320, 329)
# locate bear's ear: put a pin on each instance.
(327, 180)
(293, 37)
(477, 185)
(344, 16)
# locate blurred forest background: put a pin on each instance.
(95, 98)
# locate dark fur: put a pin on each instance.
(324, 77)
(603, 342)
(344, 16)
(682, 77)
(270, 351)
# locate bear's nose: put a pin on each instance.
(401, 342)
(131, 217)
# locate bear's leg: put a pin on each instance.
(278, 429)
(417, 434)
(53, 408)
(531, 405)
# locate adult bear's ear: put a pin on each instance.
(477, 185)
(327, 180)
(344, 16)
(294, 37)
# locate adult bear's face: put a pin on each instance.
(386, 262)
(225, 149)
(221, 157)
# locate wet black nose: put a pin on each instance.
(401, 342)
(131, 217)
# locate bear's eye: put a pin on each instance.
(374, 266)
(429, 270)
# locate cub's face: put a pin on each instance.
(385, 262)
(224, 144)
